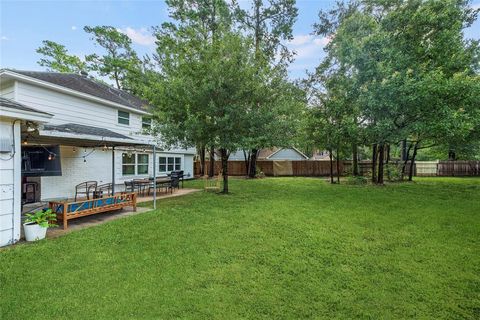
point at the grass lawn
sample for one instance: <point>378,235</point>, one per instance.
<point>279,248</point>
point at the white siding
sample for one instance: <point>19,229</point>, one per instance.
<point>188,165</point>
<point>287,154</point>
<point>10,186</point>
<point>70,109</point>
<point>7,90</point>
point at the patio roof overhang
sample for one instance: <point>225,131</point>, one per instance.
<point>71,134</point>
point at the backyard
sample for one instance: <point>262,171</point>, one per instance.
<point>276,248</point>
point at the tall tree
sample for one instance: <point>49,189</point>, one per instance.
<point>269,23</point>
<point>56,58</point>
<point>206,94</point>
<point>119,58</point>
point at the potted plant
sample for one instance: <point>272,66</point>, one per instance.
<point>37,223</point>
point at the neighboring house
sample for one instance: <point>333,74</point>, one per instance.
<point>272,154</point>
<point>96,130</point>
<point>321,155</point>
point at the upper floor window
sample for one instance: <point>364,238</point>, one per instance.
<point>146,122</point>
<point>123,117</point>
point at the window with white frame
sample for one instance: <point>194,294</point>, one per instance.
<point>128,164</point>
<point>142,163</point>
<point>134,164</point>
<point>123,117</point>
<point>146,123</point>
<point>168,164</point>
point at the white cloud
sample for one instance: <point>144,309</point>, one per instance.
<point>74,28</point>
<point>475,6</point>
<point>139,36</point>
<point>307,46</point>
<point>300,39</point>
<point>4,38</point>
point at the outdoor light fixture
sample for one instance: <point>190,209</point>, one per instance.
<point>25,141</point>
<point>74,149</point>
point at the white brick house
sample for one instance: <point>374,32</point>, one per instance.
<point>84,120</point>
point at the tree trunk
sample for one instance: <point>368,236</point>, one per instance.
<point>451,155</point>
<point>331,165</point>
<point>224,154</point>
<point>405,162</point>
<point>374,163</point>
<point>381,157</point>
<point>253,163</point>
<point>246,157</point>
<point>355,159</point>
<point>202,161</point>
<point>412,162</point>
<point>387,160</point>
<point>211,172</point>
<point>404,150</point>
<point>338,167</point>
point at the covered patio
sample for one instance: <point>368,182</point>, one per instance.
<point>62,144</point>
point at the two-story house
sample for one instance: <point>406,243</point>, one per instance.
<point>90,131</point>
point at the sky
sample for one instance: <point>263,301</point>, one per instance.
<point>24,24</point>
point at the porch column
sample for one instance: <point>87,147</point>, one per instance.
<point>154,177</point>
<point>113,170</point>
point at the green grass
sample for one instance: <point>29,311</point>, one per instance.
<point>280,248</point>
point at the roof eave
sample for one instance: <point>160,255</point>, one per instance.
<point>45,84</point>
<point>6,112</point>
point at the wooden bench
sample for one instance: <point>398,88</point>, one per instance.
<point>71,210</point>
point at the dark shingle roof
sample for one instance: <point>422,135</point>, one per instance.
<point>89,86</point>
<point>84,130</point>
<point>19,106</point>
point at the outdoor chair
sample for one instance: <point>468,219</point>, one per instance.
<point>174,184</point>
<point>213,184</point>
<point>153,185</point>
<point>85,188</point>
<point>129,186</point>
<point>104,190</point>
<point>180,174</point>
<point>140,185</point>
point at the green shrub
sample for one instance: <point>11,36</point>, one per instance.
<point>357,180</point>
<point>393,172</point>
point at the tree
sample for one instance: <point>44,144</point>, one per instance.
<point>196,24</point>
<point>268,23</point>
<point>56,58</point>
<point>119,59</point>
<point>207,94</point>
<point>405,58</point>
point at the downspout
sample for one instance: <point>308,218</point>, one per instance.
<point>14,158</point>
<point>113,170</point>
<point>154,178</point>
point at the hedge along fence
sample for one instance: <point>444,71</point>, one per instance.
<point>321,168</point>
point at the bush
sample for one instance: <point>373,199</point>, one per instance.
<point>393,172</point>
<point>259,173</point>
<point>357,180</point>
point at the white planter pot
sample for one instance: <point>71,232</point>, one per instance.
<point>34,232</point>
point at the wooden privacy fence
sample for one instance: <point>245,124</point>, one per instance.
<point>319,168</point>
<point>316,168</point>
